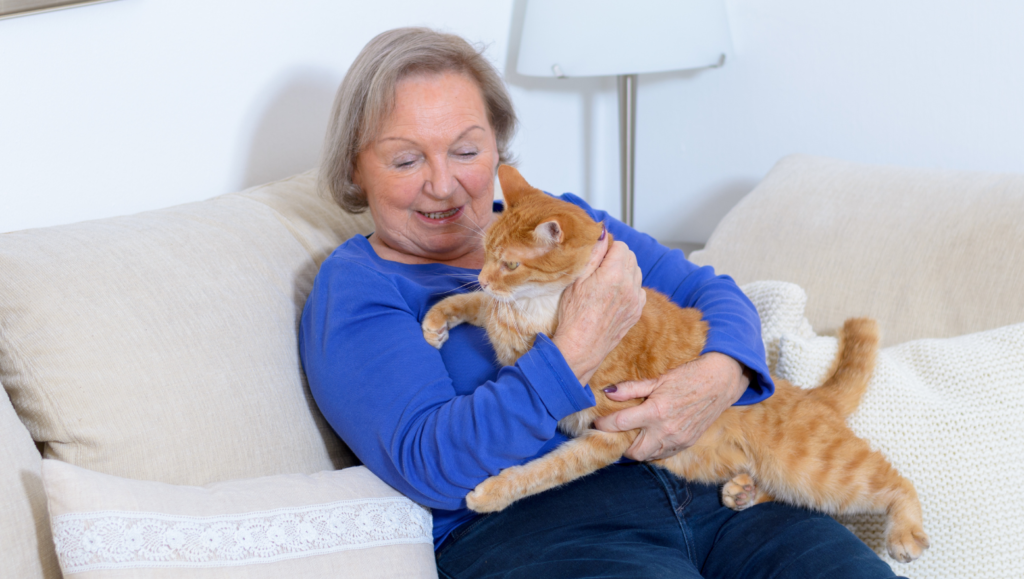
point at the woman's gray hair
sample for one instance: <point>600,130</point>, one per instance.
<point>366,98</point>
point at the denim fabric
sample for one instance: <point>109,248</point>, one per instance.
<point>637,520</point>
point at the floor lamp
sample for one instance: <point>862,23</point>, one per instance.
<point>574,38</point>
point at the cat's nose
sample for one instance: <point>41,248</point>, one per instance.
<point>483,284</point>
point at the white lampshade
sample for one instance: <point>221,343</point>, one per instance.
<point>616,37</point>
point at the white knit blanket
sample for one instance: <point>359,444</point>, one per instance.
<point>948,413</point>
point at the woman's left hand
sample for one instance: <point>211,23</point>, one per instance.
<point>680,405</point>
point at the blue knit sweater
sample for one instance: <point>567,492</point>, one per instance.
<point>435,423</point>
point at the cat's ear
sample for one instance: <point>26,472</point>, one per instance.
<point>513,186</point>
<point>549,232</point>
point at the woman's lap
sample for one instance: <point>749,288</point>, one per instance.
<point>636,520</point>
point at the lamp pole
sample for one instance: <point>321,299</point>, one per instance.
<point>627,142</point>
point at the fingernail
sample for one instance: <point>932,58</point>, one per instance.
<point>604,231</point>
<point>609,389</point>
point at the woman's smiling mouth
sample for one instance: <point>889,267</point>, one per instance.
<point>441,215</point>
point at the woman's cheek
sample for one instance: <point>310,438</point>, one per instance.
<point>478,180</point>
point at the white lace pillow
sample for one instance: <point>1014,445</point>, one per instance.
<point>330,524</point>
<point>947,413</point>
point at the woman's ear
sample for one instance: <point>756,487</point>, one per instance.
<point>549,232</point>
<point>355,175</point>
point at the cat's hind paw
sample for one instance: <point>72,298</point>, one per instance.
<point>435,329</point>
<point>740,493</point>
<point>907,544</point>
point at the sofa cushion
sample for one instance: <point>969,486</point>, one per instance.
<point>946,412</point>
<point>162,346</point>
<point>329,524</point>
<point>928,253</point>
<point>24,524</point>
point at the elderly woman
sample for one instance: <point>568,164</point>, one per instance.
<point>418,129</point>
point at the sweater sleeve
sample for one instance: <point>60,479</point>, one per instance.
<point>734,328</point>
<point>388,393</point>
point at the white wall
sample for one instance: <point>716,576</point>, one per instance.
<point>138,104</point>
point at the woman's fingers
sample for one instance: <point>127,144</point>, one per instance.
<point>679,406</point>
<point>629,390</point>
<point>596,255</point>
<point>628,419</point>
<point>653,441</point>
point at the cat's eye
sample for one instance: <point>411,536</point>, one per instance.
<point>510,265</point>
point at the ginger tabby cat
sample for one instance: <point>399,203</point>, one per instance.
<point>794,447</point>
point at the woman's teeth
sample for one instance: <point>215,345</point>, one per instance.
<point>441,214</point>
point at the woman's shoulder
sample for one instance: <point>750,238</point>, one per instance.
<point>353,261</point>
<point>575,200</point>
<point>355,274</point>
<point>356,249</point>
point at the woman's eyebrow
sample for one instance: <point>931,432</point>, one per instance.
<point>461,135</point>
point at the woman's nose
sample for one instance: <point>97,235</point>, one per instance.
<point>441,181</point>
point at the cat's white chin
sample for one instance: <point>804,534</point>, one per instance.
<point>540,306</point>
<point>506,297</point>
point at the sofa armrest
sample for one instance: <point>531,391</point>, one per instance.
<point>24,521</point>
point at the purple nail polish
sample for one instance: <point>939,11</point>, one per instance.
<point>610,389</point>
<point>604,231</point>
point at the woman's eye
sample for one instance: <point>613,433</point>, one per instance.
<point>510,265</point>
<point>404,161</point>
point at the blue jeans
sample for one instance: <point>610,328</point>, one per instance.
<point>637,520</point>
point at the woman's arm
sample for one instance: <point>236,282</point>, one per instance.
<point>388,393</point>
<point>685,401</point>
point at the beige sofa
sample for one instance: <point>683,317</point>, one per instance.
<point>148,353</point>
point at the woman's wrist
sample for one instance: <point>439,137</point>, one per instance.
<point>740,376</point>
<point>578,356</point>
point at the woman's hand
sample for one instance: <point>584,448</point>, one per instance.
<point>680,405</point>
<point>599,308</point>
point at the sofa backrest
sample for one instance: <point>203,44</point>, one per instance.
<point>162,346</point>
<point>929,253</point>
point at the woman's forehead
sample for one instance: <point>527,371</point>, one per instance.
<point>449,102</point>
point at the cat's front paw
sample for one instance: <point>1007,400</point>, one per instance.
<point>906,544</point>
<point>740,492</point>
<point>491,496</point>
<point>435,329</point>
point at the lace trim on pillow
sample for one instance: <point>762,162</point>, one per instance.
<point>117,539</point>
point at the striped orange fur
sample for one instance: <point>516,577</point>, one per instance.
<point>794,447</point>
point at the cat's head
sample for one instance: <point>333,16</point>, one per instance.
<point>538,245</point>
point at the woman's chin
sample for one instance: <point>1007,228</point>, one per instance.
<point>449,247</point>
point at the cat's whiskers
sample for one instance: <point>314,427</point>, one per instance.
<point>478,232</point>
<point>457,288</point>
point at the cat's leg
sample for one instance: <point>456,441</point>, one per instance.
<point>452,311</point>
<point>742,492</point>
<point>857,479</point>
<point>578,457</point>
<point>905,537</point>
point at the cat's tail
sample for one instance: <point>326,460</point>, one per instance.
<point>854,365</point>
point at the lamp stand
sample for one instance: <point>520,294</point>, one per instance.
<point>627,142</point>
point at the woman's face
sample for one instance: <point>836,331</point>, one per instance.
<point>429,175</point>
